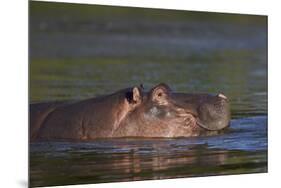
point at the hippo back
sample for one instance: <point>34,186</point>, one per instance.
<point>38,112</point>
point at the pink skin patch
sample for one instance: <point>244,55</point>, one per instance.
<point>222,96</point>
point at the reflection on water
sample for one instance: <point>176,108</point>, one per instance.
<point>242,150</point>
<point>78,52</point>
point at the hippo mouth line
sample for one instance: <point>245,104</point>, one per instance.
<point>204,126</point>
<point>199,123</point>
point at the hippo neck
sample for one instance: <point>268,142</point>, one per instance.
<point>102,116</point>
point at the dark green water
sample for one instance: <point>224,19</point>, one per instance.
<point>78,52</point>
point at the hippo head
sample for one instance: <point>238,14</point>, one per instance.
<point>162,113</point>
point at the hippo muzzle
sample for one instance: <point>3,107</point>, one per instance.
<point>211,112</point>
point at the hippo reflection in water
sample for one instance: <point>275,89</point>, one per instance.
<point>131,112</point>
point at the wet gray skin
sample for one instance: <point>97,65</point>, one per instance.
<point>131,113</point>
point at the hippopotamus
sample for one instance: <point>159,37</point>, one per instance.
<point>131,112</point>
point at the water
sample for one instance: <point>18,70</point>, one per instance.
<point>242,150</point>
<point>78,53</point>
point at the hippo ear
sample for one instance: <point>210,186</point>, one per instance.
<point>160,94</point>
<point>134,96</point>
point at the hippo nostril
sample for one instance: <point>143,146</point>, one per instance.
<point>222,96</point>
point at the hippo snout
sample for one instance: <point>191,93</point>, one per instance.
<point>214,113</point>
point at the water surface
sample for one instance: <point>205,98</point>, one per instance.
<point>242,150</point>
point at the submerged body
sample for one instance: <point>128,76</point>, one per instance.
<point>131,113</point>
